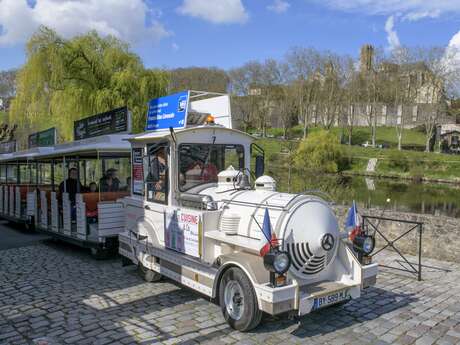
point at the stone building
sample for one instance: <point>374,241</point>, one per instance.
<point>422,95</point>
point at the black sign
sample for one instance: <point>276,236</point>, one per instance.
<point>43,138</point>
<point>8,146</point>
<point>113,121</point>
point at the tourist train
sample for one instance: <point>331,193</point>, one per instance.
<point>198,209</point>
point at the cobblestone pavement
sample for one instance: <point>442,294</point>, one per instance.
<point>60,293</point>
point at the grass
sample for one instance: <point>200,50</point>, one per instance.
<point>391,162</point>
<point>411,138</point>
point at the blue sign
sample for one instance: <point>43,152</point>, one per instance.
<point>168,111</point>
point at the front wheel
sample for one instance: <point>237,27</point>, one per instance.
<point>149,275</point>
<point>238,301</point>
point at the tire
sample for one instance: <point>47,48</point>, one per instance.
<point>238,300</point>
<point>125,261</point>
<point>148,275</point>
<point>99,254</point>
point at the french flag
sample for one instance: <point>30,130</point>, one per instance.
<point>270,237</point>
<point>353,223</point>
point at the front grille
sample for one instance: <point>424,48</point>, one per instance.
<point>303,260</point>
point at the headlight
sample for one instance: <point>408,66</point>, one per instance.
<point>364,244</point>
<point>277,261</point>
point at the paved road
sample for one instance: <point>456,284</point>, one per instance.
<point>60,293</point>
<point>17,236</point>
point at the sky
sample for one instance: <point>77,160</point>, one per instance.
<point>228,33</point>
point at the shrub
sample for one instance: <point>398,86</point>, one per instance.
<point>320,152</point>
<point>399,160</point>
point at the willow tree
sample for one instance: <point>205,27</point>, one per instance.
<point>64,80</point>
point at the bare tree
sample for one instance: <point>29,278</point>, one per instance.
<point>199,78</point>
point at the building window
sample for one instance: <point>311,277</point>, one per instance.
<point>414,113</point>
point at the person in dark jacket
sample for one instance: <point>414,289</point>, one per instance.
<point>72,185</point>
<point>110,182</point>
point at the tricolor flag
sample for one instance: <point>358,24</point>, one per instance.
<point>270,237</point>
<point>353,223</point>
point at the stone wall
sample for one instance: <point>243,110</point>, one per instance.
<point>440,236</point>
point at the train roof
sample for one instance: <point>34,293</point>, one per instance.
<point>202,129</point>
<point>112,143</point>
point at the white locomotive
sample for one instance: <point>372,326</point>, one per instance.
<point>195,217</point>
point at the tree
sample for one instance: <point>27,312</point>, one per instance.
<point>303,64</point>
<point>64,80</point>
<point>7,84</point>
<point>443,83</point>
<point>320,152</point>
<point>199,78</point>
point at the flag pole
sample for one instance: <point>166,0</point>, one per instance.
<point>268,239</point>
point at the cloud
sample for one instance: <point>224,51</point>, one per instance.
<point>408,9</point>
<point>451,56</point>
<point>392,35</point>
<point>215,11</point>
<point>132,21</point>
<point>279,6</point>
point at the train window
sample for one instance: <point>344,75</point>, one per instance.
<point>44,174</point>
<point>117,175</point>
<point>59,172</point>
<point>156,173</point>
<point>24,174</point>
<point>200,163</point>
<point>12,173</point>
<point>3,173</point>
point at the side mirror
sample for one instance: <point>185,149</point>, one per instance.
<point>260,166</point>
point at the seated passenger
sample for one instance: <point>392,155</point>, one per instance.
<point>71,184</point>
<point>110,182</point>
<point>92,187</point>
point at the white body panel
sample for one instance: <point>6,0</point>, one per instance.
<point>43,210</point>
<point>54,212</point>
<point>11,194</point>
<point>66,214</point>
<point>17,206</point>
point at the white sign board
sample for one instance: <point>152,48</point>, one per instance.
<point>218,107</point>
<point>183,232</point>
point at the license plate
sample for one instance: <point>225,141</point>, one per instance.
<point>333,298</point>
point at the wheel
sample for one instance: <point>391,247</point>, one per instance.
<point>149,275</point>
<point>238,300</point>
<point>99,254</point>
<point>125,261</point>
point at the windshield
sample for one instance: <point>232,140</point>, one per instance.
<point>200,163</point>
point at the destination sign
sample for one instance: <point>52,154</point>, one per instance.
<point>110,122</point>
<point>43,138</point>
<point>168,111</point>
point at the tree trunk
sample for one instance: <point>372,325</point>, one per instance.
<point>427,147</point>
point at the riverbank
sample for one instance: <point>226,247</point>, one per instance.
<point>392,163</point>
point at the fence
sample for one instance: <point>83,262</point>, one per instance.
<point>369,225</point>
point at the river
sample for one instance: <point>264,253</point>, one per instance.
<point>404,195</point>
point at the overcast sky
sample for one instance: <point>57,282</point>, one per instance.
<point>227,33</point>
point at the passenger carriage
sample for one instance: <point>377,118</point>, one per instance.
<point>199,215</point>
<point>36,182</point>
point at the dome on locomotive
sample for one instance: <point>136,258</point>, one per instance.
<point>310,235</point>
<point>306,224</point>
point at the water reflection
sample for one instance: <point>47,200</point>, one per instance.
<point>406,196</point>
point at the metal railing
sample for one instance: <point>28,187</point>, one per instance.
<point>414,226</point>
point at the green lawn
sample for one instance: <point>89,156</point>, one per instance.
<point>391,162</point>
<point>412,138</point>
